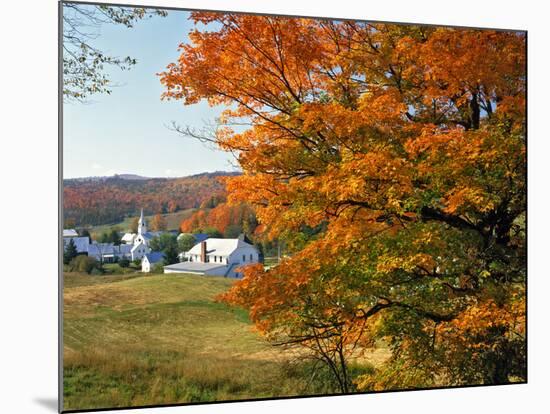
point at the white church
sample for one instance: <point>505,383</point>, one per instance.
<point>210,256</point>
<point>134,246</point>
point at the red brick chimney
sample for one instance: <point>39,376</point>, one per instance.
<point>203,251</point>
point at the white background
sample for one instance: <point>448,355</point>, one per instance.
<point>28,205</point>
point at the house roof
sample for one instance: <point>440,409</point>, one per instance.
<point>154,257</point>
<point>193,267</point>
<point>222,247</point>
<point>128,236</point>
<point>109,249</point>
<point>81,243</point>
<point>200,237</point>
<point>148,235</point>
<point>70,233</point>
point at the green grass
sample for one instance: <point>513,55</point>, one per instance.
<point>173,221</point>
<point>164,339</point>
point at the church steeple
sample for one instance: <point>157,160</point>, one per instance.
<point>142,225</point>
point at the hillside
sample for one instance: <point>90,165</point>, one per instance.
<point>135,340</point>
<point>172,221</point>
<point>95,201</point>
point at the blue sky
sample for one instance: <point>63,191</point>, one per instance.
<point>126,132</point>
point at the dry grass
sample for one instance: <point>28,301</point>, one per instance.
<point>140,340</point>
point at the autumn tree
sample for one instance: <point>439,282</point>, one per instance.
<point>237,218</point>
<point>158,223</point>
<point>134,224</point>
<point>404,148</point>
<point>69,223</point>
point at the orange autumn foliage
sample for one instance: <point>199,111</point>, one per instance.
<point>221,218</point>
<point>403,147</point>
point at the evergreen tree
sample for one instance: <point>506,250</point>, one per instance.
<point>104,238</point>
<point>114,237</point>
<point>70,252</point>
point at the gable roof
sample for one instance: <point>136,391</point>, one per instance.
<point>109,249</point>
<point>193,267</point>
<point>81,243</point>
<point>200,237</point>
<point>222,247</point>
<point>70,233</point>
<point>128,237</point>
<point>136,246</point>
<point>154,257</point>
<point>148,235</point>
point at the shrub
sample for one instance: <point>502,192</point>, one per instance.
<point>96,271</point>
<point>84,264</point>
<point>158,268</point>
<point>124,262</point>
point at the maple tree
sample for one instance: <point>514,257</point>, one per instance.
<point>405,145</point>
<point>225,218</point>
<point>158,223</point>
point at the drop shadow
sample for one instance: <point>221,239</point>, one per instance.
<point>49,403</point>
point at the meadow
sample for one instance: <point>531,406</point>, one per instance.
<point>132,340</point>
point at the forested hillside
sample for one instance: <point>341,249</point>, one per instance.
<point>101,200</point>
<point>228,220</point>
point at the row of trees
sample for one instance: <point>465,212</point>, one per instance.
<point>405,147</point>
<point>228,220</point>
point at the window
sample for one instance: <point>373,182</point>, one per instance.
<point>244,258</point>
<point>250,256</point>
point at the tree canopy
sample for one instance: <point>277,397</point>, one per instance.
<point>405,146</point>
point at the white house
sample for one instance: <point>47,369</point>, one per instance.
<point>128,238</point>
<point>109,252</point>
<point>216,257</point>
<point>70,233</point>
<point>150,259</point>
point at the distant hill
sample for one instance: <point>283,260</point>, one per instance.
<point>91,201</point>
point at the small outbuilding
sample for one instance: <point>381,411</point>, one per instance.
<point>151,259</point>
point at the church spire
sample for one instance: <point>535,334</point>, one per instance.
<point>142,226</point>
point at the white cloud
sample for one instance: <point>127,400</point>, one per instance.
<point>97,166</point>
<point>172,173</point>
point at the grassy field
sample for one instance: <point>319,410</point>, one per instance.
<point>173,221</point>
<point>162,339</point>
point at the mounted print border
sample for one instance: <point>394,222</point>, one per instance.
<point>258,207</point>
